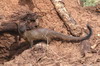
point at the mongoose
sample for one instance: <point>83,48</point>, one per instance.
<point>47,34</point>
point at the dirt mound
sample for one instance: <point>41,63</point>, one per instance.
<point>57,53</point>
<point>94,9</point>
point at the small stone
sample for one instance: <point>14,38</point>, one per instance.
<point>98,60</point>
<point>98,34</point>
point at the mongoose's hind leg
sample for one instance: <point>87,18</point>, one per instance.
<point>48,41</point>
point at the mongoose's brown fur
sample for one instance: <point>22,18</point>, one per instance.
<point>47,34</point>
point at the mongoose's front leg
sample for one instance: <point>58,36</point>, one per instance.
<point>31,43</point>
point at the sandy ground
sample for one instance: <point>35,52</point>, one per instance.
<point>57,53</point>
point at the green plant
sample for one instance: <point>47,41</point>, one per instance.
<point>90,2</point>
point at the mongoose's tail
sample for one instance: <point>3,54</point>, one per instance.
<point>88,35</point>
<point>72,38</point>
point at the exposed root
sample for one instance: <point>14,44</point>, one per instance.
<point>68,20</point>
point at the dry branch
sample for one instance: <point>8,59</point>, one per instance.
<point>73,28</point>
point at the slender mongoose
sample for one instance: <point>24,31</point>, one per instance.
<point>47,34</point>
